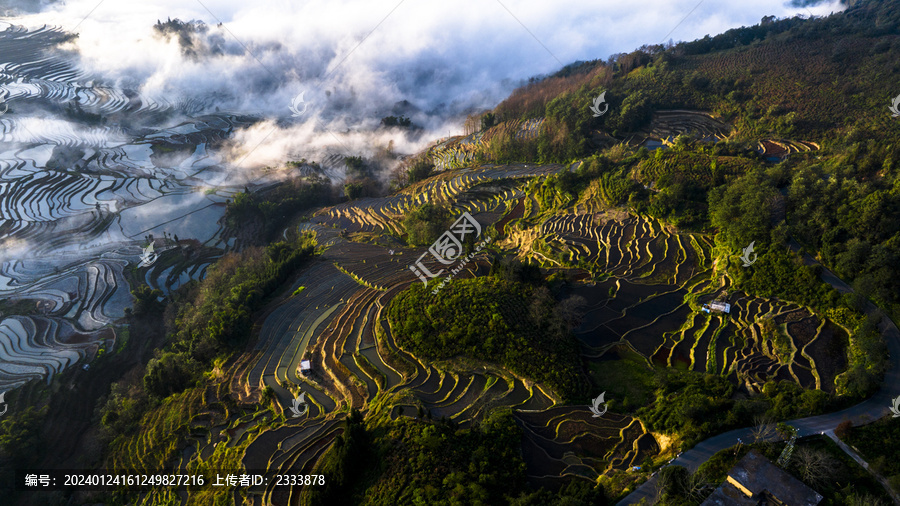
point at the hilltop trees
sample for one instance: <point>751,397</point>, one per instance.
<point>267,210</point>
<point>492,319</point>
<point>423,462</point>
<point>743,210</point>
<point>396,121</point>
<point>187,33</point>
<point>20,435</point>
<point>867,361</point>
<point>214,315</point>
<point>426,223</point>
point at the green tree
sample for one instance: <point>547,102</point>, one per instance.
<point>20,435</point>
<point>420,169</point>
<point>488,120</point>
<point>169,373</point>
<point>396,121</point>
<point>426,223</point>
<point>743,210</point>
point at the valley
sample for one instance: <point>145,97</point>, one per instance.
<point>556,306</point>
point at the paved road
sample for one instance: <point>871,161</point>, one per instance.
<point>863,413</point>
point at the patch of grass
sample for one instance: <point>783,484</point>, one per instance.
<point>877,443</point>
<point>626,378</point>
<point>780,338</point>
<point>123,334</point>
<point>223,458</point>
<point>298,291</point>
<point>163,431</point>
<point>847,476</point>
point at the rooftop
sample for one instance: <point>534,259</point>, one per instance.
<point>755,481</point>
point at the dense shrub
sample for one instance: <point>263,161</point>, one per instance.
<point>170,373</point>
<point>215,314</point>
<point>20,440</point>
<point>345,463</point>
<point>697,405</point>
<point>867,361</point>
<point>782,274</point>
<point>437,463</point>
<point>491,319</point>
<point>426,223</point>
<point>268,209</point>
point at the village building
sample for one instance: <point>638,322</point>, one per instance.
<point>717,306</point>
<point>755,481</point>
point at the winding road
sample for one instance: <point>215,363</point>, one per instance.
<point>861,414</point>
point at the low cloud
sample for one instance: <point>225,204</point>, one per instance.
<point>355,61</point>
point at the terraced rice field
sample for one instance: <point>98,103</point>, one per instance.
<point>72,311</point>
<point>667,125</point>
<point>483,189</point>
<point>569,441</point>
<point>650,282</point>
<point>80,198</point>
<point>459,152</point>
<point>655,281</point>
<point>778,149</point>
<point>79,201</point>
<point>335,322</point>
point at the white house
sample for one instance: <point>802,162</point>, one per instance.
<point>717,306</point>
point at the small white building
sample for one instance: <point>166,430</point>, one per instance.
<point>722,307</point>
<point>717,306</point>
<point>305,366</point>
